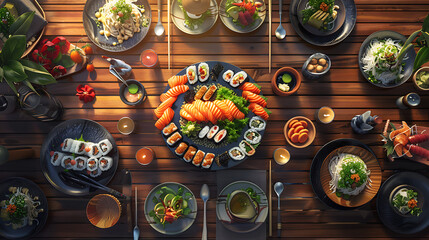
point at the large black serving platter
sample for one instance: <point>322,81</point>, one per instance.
<point>179,102</point>
<point>75,128</point>
<point>28,231</point>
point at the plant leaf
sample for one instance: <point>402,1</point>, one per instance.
<point>66,62</point>
<point>14,71</point>
<point>425,26</point>
<point>12,86</point>
<point>421,58</point>
<point>13,48</point>
<point>28,83</point>
<point>1,74</point>
<point>36,73</point>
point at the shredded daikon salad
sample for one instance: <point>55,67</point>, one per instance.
<point>120,19</point>
<point>380,61</point>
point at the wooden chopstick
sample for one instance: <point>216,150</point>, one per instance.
<point>270,204</point>
<point>269,41</point>
<point>168,30</point>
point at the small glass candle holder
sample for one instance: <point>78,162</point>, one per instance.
<point>408,101</point>
<point>149,58</point>
<point>145,155</point>
<point>126,125</point>
<point>281,156</point>
<point>325,115</point>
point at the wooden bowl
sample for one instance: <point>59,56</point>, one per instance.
<point>369,192</point>
<point>103,210</point>
<point>296,77</point>
<point>311,132</point>
<point>426,69</point>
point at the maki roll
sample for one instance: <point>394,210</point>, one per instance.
<point>174,138</point>
<point>220,136</point>
<point>252,136</point>
<point>189,154</point>
<point>200,93</point>
<point>80,163</point>
<point>238,78</point>
<point>222,159</point>
<point>203,71</point>
<point>203,132</point>
<point>95,173</point>
<point>199,156</point>
<point>105,163</point>
<point>216,70</point>
<point>227,75</point>
<point>208,160</point>
<point>180,150</point>
<point>92,164</point>
<point>247,148</point>
<point>210,92</point>
<point>93,150</point>
<point>257,123</point>
<point>56,158</point>
<point>105,146</point>
<point>78,147</point>
<point>68,162</point>
<point>191,73</point>
<point>213,131</point>
<point>236,153</point>
<point>169,129</point>
<point>67,144</point>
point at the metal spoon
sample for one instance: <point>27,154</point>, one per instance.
<point>116,74</point>
<point>136,231</point>
<point>280,31</point>
<point>278,188</point>
<point>159,29</point>
<point>205,195</point>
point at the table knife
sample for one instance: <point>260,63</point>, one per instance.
<point>127,191</point>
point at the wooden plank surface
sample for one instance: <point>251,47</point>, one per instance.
<point>344,89</point>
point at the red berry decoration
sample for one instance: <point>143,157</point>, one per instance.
<point>50,50</point>
<point>62,43</point>
<point>85,93</point>
<point>58,71</point>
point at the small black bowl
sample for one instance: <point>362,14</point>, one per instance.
<point>124,87</point>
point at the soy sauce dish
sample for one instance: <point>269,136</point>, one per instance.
<point>286,81</point>
<point>133,94</point>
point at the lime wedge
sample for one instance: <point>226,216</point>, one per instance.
<point>286,78</point>
<point>133,88</point>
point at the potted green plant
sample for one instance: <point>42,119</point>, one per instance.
<point>14,70</point>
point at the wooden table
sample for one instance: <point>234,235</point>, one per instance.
<point>344,89</point>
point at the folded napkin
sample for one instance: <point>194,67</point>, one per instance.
<point>23,6</point>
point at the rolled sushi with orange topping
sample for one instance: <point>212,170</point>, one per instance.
<point>203,71</point>
<point>180,150</point>
<point>81,162</point>
<point>227,75</point>
<point>173,139</point>
<point>208,160</point>
<point>238,78</point>
<point>105,163</point>
<point>190,154</point>
<point>56,158</point>
<point>68,162</point>
<point>169,129</point>
<point>198,159</point>
<point>191,73</point>
<point>92,164</point>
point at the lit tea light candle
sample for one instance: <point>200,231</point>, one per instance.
<point>126,125</point>
<point>145,155</point>
<point>325,115</point>
<point>149,58</point>
<point>281,156</point>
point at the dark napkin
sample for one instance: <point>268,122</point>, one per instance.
<point>23,6</point>
<point>225,177</point>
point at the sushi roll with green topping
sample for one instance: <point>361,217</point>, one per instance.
<point>257,123</point>
<point>203,71</point>
<point>189,154</point>
<point>208,160</point>
<point>68,162</point>
<point>191,73</point>
<point>227,75</point>
<point>92,164</point>
<point>247,148</point>
<point>252,136</point>
<point>203,132</point>
<point>105,146</point>
<point>236,153</point>
<point>56,158</point>
<point>198,159</point>
<point>105,163</point>
<point>67,144</point>
<point>80,163</point>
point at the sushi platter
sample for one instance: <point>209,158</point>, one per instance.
<point>79,145</point>
<point>202,125</point>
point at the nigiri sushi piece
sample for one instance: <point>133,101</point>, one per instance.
<point>200,93</point>
<point>220,136</point>
<point>259,110</point>
<point>164,105</point>
<point>56,158</point>
<point>247,148</point>
<point>105,163</point>
<point>203,71</point>
<point>165,119</point>
<point>105,146</point>
<point>68,162</point>
<point>236,153</point>
<point>198,159</point>
<point>184,114</point>
<point>67,144</point>
<point>254,98</point>
<point>208,160</point>
<point>180,150</point>
<point>238,78</point>
<point>92,164</point>
<point>81,162</point>
<point>251,87</point>
<point>189,154</point>
<point>177,80</point>
<point>213,131</point>
<point>227,75</point>
<point>174,138</point>
<point>191,74</point>
<point>176,91</point>
<point>212,89</point>
<point>169,129</point>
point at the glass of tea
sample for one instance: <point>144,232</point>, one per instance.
<point>126,125</point>
<point>145,155</point>
<point>281,156</point>
<point>325,115</point>
<point>149,58</point>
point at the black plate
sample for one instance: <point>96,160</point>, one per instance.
<point>74,128</point>
<point>409,63</point>
<point>317,164</point>
<point>180,99</point>
<point>93,32</point>
<point>388,216</point>
<point>331,39</point>
<point>34,190</point>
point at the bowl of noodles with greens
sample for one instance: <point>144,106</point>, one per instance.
<point>350,176</point>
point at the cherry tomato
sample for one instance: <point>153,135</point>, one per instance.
<point>90,67</point>
<point>75,56</point>
<point>88,49</point>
